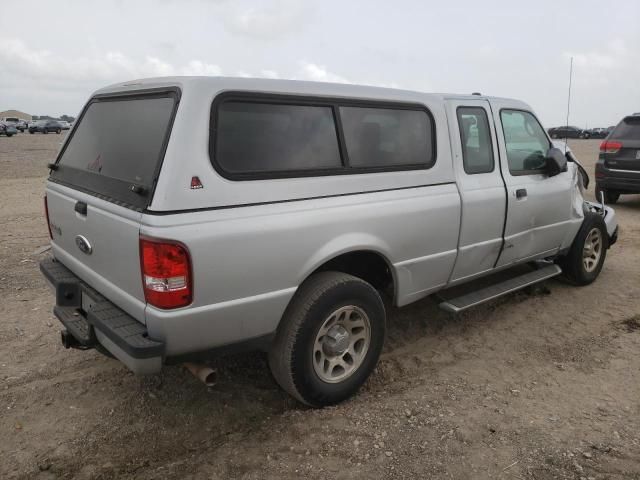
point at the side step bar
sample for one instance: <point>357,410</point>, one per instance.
<point>458,304</point>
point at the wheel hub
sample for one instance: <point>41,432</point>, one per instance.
<point>336,341</point>
<point>592,250</point>
<point>341,344</point>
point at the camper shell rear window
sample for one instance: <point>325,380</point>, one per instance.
<point>117,146</point>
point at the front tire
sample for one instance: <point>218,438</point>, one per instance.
<point>329,340</point>
<point>58,131</point>
<point>585,259</point>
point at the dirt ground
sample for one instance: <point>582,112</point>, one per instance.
<point>538,385</point>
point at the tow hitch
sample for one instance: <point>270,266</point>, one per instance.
<point>69,341</point>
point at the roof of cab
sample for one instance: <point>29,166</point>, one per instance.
<point>209,84</point>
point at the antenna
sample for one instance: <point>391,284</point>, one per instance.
<point>568,101</point>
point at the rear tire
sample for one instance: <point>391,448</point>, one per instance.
<point>585,259</point>
<point>58,131</point>
<point>329,340</point>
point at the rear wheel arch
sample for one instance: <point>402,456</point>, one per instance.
<point>366,264</point>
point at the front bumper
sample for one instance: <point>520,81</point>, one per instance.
<point>609,216</point>
<point>90,319</point>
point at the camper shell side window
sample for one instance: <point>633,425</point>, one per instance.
<point>260,136</point>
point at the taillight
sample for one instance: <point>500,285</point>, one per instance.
<point>46,216</point>
<point>166,273</point>
<point>610,147</point>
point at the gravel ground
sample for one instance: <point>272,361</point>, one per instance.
<point>537,385</point>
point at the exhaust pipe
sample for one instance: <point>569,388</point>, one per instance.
<point>206,375</point>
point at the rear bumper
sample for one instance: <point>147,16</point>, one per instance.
<point>621,180</point>
<point>90,319</point>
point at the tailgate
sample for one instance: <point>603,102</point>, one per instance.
<point>627,158</point>
<point>626,136</point>
<point>101,247</point>
<point>103,178</point>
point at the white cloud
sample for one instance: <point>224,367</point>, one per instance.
<point>269,74</point>
<point>319,73</point>
<point>22,64</point>
<point>271,19</point>
<point>615,55</point>
<point>196,67</point>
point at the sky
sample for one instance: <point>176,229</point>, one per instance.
<point>53,55</point>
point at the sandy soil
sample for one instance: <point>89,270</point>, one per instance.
<point>540,385</point>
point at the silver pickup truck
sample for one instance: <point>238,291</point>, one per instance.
<point>195,215</point>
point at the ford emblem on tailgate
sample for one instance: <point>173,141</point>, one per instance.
<point>83,244</point>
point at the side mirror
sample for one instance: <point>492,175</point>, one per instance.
<point>556,161</point>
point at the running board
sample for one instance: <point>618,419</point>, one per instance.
<point>458,304</point>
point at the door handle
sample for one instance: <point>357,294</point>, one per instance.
<point>81,208</point>
<point>521,193</point>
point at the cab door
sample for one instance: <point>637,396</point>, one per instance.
<point>539,207</point>
<point>482,190</point>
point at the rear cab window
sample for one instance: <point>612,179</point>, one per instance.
<point>277,136</point>
<point>475,137</point>
<point>117,147</point>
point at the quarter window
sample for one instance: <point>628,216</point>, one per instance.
<point>475,136</point>
<point>264,137</point>
<point>385,137</point>
<point>525,140</point>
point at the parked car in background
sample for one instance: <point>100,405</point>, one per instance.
<point>155,219</point>
<point>64,124</point>
<point>598,132</point>
<point>20,125</point>
<point>46,126</point>
<point>618,165</point>
<point>7,129</point>
<point>568,132</point>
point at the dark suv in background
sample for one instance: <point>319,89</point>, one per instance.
<point>568,132</point>
<point>618,165</point>
<point>46,126</point>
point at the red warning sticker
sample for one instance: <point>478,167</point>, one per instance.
<point>196,183</point>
